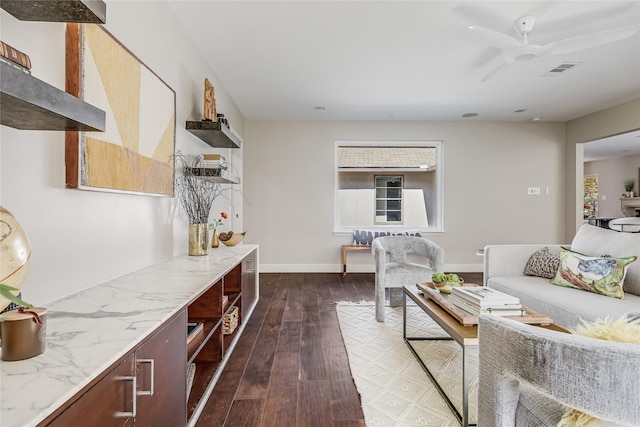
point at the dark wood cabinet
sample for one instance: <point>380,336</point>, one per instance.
<point>149,385</point>
<point>161,376</point>
<point>109,403</point>
<point>148,388</point>
<point>234,294</point>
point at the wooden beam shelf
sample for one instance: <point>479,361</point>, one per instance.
<point>214,133</point>
<point>31,104</point>
<point>89,11</point>
<point>216,174</point>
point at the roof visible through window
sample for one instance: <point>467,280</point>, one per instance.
<point>386,157</point>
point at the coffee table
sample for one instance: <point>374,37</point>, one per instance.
<point>465,336</point>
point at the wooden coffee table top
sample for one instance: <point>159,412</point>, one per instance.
<point>462,334</point>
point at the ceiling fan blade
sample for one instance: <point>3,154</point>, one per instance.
<point>587,41</point>
<point>496,39</point>
<point>496,71</point>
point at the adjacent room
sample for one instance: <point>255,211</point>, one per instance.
<point>319,213</point>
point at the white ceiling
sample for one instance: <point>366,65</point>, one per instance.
<point>627,144</point>
<point>410,60</point>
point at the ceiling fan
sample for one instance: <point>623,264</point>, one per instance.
<point>515,50</point>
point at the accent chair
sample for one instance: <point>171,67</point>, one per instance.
<point>528,373</point>
<point>393,270</point>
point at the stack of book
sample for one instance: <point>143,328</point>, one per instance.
<point>15,58</point>
<point>213,161</point>
<point>482,300</point>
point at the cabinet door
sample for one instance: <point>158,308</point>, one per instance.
<point>109,403</point>
<point>161,372</point>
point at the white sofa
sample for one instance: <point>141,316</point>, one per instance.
<point>504,266</point>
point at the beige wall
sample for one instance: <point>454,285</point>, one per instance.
<point>81,238</point>
<point>608,122</point>
<point>290,184</point>
<point>611,174</point>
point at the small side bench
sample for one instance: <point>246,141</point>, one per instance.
<point>348,248</point>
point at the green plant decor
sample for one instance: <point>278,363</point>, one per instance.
<point>629,184</point>
<point>7,292</point>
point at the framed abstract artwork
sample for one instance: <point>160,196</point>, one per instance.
<point>135,152</point>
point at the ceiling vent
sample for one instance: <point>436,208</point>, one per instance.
<point>556,71</point>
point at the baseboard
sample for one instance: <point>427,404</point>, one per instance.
<point>355,268</point>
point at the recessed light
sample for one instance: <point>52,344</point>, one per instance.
<point>319,108</point>
<point>520,111</point>
<point>535,119</point>
<point>470,115</point>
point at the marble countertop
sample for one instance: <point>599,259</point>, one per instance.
<point>90,330</point>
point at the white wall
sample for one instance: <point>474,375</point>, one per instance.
<point>611,175</point>
<point>488,166</point>
<point>81,238</point>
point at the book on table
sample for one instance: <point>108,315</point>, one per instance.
<point>482,297</point>
<point>499,310</point>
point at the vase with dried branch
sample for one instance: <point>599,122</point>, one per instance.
<point>196,195</point>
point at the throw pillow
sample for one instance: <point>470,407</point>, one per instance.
<point>363,237</point>
<point>594,274</point>
<point>542,264</point>
<point>625,330</point>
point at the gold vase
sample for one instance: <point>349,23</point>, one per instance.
<point>214,239</point>
<point>198,239</point>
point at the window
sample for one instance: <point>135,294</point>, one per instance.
<point>388,184</point>
<point>388,200</point>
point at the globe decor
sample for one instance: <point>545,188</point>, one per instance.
<point>23,331</point>
<point>15,254</point>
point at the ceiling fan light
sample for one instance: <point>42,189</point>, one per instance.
<point>524,57</point>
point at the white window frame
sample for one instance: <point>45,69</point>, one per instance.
<point>436,225</point>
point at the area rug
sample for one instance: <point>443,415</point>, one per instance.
<point>393,387</point>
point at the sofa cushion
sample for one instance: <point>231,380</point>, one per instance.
<point>566,306</point>
<point>542,264</point>
<point>592,240</point>
<point>594,274</point>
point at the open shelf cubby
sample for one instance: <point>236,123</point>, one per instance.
<point>208,346</point>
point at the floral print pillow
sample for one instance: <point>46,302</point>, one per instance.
<point>601,275</point>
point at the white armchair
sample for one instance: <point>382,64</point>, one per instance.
<point>528,373</point>
<point>629,224</point>
<point>393,270</point>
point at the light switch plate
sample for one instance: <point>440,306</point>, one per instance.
<point>533,191</point>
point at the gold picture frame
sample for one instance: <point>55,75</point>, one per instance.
<point>135,153</point>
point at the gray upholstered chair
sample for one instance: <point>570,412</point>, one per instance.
<point>393,270</point>
<point>527,373</point>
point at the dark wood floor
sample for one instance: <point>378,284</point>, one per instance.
<point>290,366</point>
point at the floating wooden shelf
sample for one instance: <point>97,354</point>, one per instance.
<point>29,103</point>
<point>216,174</point>
<point>214,133</point>
<point>90,11</point>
